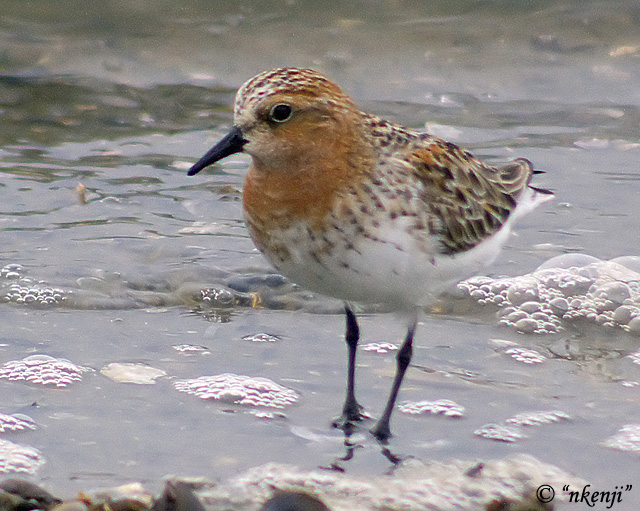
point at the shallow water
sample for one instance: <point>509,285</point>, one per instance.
<point>123,97</point>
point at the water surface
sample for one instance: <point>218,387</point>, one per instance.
<point>121,98</point>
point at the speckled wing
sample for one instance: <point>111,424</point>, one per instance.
<point>466,200</point>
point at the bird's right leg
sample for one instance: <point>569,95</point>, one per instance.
<point>351,411</point>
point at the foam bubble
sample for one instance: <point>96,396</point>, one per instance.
<point>239,389</point>
<point>566,288</point>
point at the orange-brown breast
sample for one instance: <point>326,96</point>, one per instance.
<point>308,186</point>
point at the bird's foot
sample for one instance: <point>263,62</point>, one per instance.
<point>351,415</point>
<point>382,432</point>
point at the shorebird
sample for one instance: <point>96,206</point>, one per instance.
<point>351,206</point>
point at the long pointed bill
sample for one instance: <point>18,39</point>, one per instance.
<point>231,144</point>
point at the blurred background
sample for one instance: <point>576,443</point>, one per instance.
<point>105,105</point>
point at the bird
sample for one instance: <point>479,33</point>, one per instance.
<point>349,205</point>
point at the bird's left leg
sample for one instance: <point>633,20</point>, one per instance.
<point>382,429</point>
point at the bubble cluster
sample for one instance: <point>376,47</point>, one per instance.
<point>261,337</point>
<point>512,429</point>
<point>566,288</point>
<point>217,297</point>
<point>635,357</point>
<point>190,348</point>
<point>217,304</point>
<point>525,355</point>
<point>32,294</point>
<point>266,415</point>
<point>19,458</point>
<point>11,271</point>
<point>239,389</point>
<point>626,439</point>
<point>44,370</point>
<point>440,407</point>
<point>224,298</point>
<point>537,418</point>
<point>16,288</point>
<point>17,422</point>
<point>500,433</point>
<point>379,347</point>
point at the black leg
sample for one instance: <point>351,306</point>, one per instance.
<point>351,411</point>
<point>382,430</point>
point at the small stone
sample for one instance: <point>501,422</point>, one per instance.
<point>139,374</point>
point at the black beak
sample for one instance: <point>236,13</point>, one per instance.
<point>231,144</point>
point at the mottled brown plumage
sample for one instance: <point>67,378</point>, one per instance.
<point>352,206</point>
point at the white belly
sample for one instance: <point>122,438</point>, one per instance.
<point>392,264</point>
<point>399,272</point>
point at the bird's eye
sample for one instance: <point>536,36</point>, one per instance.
<point>281,112</point>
